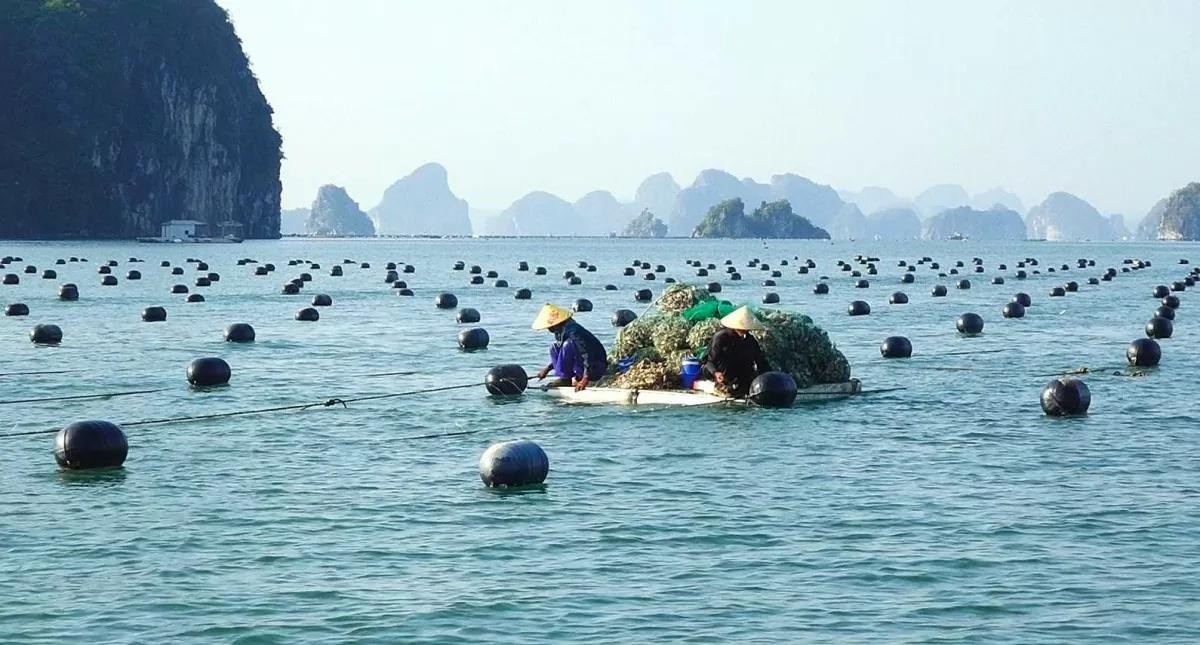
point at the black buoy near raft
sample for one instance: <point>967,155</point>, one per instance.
<point>473,338</point>
<point>239,333</point>
<point>506,380</point>
<point>90,444</point>
<point>622,317</point>
<point>511,464</point>
<point>46,334</point>
<point>208,372</point>
<point>773,390</point>
<point>895,347</point>
<point>1065,397</point>
<point>859,308</point>
<point>582,305</point>
<point>466,315</point>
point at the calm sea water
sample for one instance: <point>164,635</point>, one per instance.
<point>951,511</point>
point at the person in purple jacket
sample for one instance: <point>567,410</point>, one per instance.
<point>577,358</point>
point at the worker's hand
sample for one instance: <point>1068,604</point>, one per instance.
<point>543,373</point>
<point>581,384</point>
<point>720,377</point>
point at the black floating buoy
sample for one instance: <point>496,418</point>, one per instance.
<point>68,291</point>
<point>239,333</point>
<point>1161,291</point>
<point>154,314</point>
<point>1021,275</point>
<point>1160,327</point>
<point>491,275</point>
<point>1064,397</point>
<point>643,295</point>
<point>821,288</point>
<point>610,287</point>
<point>862,284</point>
<point>539,271</point>
<point>458,266</point>
<point>895,347</point>
<point>938,291</point>
<point>898,298</point>
<point>773,390</point>
<point>473,338</point>
<point>859,308</point>
<point>133,275</point>
<point>203,281</point>
<point>1071,286</point>
<point>770,298</point>
<point>303,277</point>
<point>476,279</point>
<point>907,278</point>
<point>1171,301</point>
<point>291,289</point>
<point>202,266</point>
<point>445,301</point>
<point>179,288</point>
<point>622,317</point>
<point>701,273</point>
<point>964,284</point>
<point>513,464</point>
<point>506,380</point>
<point>649,276</point>
<point>1013,310</point>
<point>969,323</point>
<point>1178,286</point>
<point>257,271</point>
<point>1143,352</point>
<point>207,372</point>
<point>195,297</point>
<point>714,287</point>
<point>90,444</point>
<point>523,294</point>
<point>629,271</point>
<point>735,276</point>
<point>466,315</point>
<point>109,281</point>
<point>769,283</point>
<point>575,280</point>
<point>1057,292</point>
<point>308,314</point>
<point>46,334</point>
<point>582,305</point>
<point>1023,299</point>
<point>29,268</point>
<point>997,280</point>
<point>104,270</point>
<point>500,284</point>
<point>322,300</point>
<point>1093,280</point>
<point>49,274</point>
<point>1165,312</point>
<point>17,309</point>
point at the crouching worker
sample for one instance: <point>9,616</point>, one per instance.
<point>576,357</point>
<point>734,357</point>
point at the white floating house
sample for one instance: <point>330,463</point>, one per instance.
<point>184,229</point>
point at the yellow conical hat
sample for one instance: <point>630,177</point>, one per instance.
<point>551,315</point>
<point>742,319</point>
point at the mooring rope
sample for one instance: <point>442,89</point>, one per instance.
<point>81,397</point>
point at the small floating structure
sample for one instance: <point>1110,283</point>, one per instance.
<point>189,231</point>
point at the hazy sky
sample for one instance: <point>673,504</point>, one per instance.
<point>1097,98</point>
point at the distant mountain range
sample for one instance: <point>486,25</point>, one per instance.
<point>422,203</point>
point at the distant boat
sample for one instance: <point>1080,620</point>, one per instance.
<point>957,236</point>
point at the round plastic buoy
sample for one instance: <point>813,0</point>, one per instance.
<point>109,281</point>
<point>629,271</point>
<point>862,284</point>
<point>610,287</point>
<point>898,298</point>
<point>701,273</point>
<point>133,275</point>
<point>1159,327</point>
<point>770,298</point>
<point>821,288</point>
<point>539,271</point>
<point>859,308</point>
<point>622,317</point>
<point>399,284</point>
<point>895,347</point>
<point>1171,301</point>
<point>1064,397</point>
<point>1057,292</point>
<point>203,281</point>
<point>90,444</point>
<point>154,314</point>
<point>582,305</point>
<point>1143,352</point>
<point>506,380</point>
<point>46,334</point>
<point>908,278</point>
<point>773,390</point>
<point>49,274</point>
<point>239,333</point>
<point>466,315</point>
<point>322,300</point>
<point>308,314</point>
<point>1013,310</point>
<point>445,301</point>
<point>500,284</point>
<point>513,463</point>
<point>17,309</point>
<point>768,283</point>
<point>207,372</point>
<point>964,284</point>
<point>938,291</point>
<point>491,275</point>
<point>1165,312</point>
<point>969,323</point>
<point>649,276</point>
<point>195,297</point>
<point>714,287</point>
<point>643,295</point>
<point>290,289</point>
<point>473,338</point>
<point>523,294</point>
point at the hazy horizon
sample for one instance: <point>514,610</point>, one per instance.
<point>1090,98</point>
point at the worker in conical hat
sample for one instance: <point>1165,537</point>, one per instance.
<point>576,357</point>
<point>734,357</point>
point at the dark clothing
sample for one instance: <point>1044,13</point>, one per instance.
<point>740,358</point>
<point>577,352</point>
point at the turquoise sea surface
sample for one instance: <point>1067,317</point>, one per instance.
<point>950,511</point>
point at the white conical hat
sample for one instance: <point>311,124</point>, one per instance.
<point>551,315</point>
<point>742,319</point>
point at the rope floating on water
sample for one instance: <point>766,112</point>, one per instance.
<point>81,397</point>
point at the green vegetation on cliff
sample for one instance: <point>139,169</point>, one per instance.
<point>1175,218</point>
<point>121,114</point>
<point>769,220</point>
<point>645,225</point>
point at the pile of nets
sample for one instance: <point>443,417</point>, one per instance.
<point>683,322</point>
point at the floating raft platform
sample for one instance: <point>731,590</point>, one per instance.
<point>703,394</point>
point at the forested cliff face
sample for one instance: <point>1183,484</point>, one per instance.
<point>118,115</point>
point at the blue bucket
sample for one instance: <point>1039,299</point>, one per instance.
<point>689,370</point>
<point>625,363</point>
